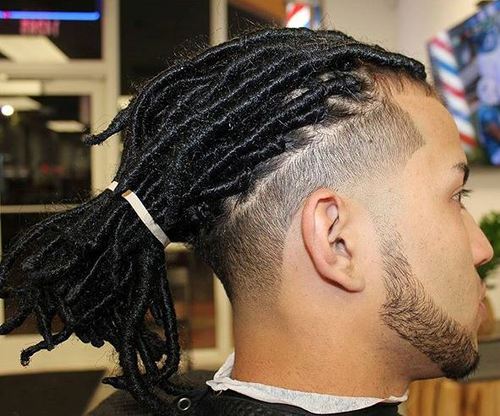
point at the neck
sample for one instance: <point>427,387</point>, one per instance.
<point>303,358</point>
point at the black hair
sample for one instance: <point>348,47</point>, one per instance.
<point>193,136</point>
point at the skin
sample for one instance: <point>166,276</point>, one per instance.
<point>380,290</point>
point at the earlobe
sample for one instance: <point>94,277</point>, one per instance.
<point>324,224</point>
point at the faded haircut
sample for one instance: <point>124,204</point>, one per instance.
<point>358,144</point>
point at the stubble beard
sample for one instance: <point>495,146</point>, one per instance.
<point>412,313</point>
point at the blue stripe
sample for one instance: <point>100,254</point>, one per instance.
<point>35,15</point>
<point>447,67</point>
<point>460,115</point>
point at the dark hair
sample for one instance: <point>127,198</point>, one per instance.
<point>202,140</point>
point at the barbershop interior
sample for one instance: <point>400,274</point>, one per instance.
<point>68,67</point>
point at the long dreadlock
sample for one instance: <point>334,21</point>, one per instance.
<point>193,136</point>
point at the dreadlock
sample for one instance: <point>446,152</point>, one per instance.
<point>194,136</point>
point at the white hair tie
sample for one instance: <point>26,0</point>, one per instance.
<point>143,214</point>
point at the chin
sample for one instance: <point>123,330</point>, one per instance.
<point>465,367</point>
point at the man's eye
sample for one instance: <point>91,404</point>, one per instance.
<point>464,193</point>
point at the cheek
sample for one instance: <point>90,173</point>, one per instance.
<point>438,249</point>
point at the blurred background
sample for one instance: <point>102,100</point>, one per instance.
<point>69,66</point>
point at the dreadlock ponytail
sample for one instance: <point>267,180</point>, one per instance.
<point>194,135</point>
<point>99,269</point>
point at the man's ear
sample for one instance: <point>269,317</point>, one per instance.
<point>324,226</point>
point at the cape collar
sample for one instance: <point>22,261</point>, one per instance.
<point>312,402</point>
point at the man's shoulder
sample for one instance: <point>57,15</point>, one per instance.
<point>121,402</point>
<point>203,401</point>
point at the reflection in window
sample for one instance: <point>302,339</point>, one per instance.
<point>152,37</point>
<point>42,158</point>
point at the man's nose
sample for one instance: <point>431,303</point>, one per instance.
<point>482,251</point>
<point>486,251</point>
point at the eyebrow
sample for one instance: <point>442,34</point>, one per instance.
<point>464,168</point>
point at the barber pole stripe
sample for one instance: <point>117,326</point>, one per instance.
<point>444,61</point>
<point>451,80</point>
<point>458,103</point>
<point>467,129</point>
<point>316,15</point>
<point>453,91</point>
<point>298,14</point>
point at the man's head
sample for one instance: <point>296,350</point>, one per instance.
<point>388,260</point>
<point>359,222</point>
<point>317,175</point>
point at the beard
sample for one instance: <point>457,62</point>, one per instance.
<point>412,313</point>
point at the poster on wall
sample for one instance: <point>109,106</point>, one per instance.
<point>465,64</point>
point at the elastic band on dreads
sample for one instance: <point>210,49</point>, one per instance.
<point>143,214</point>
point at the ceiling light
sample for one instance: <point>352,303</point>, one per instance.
<point>19,48</point>
<point>65,126</point>
<point>7,110</point>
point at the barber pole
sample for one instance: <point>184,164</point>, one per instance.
<point>452,87</point>
<point>303,14</point>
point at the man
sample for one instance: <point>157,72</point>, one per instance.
<point>322,180</point>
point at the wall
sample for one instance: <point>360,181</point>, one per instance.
<point>418,21</point>
<point>401,25</point>
<point>371,21</point>
<point>405,26</point>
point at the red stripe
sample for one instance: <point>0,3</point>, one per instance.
<point>441,44</point>
<point>468,140</point>
<point>454,91</point>
<point>295,9</point>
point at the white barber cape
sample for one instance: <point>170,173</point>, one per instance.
<point>312,402</point>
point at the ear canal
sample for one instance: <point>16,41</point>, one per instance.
<point>340,246</point>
